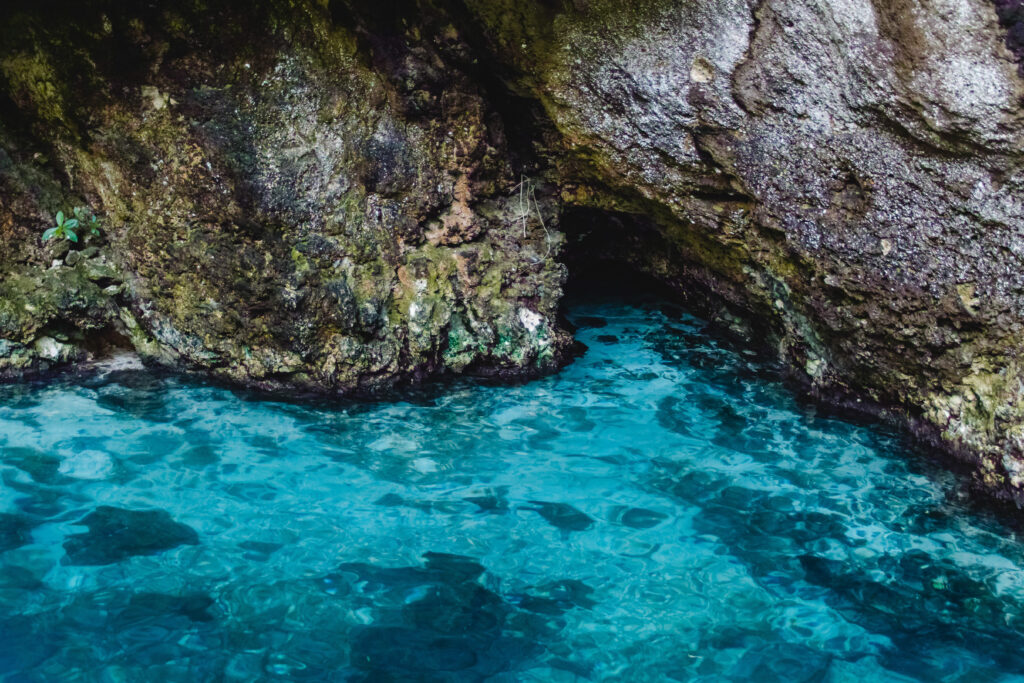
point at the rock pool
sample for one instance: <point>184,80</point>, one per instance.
<point>662,509</point>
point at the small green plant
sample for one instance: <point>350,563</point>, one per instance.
<point>89,219</point>
<point>67,227</point>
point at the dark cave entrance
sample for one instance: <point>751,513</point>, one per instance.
<point>601,255</point>
<point>615,255</point>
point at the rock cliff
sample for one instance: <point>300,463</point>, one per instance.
<point>281,214</point>
<point>336,197</point>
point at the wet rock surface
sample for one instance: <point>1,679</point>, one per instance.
<point>851,184</point>
<point>336,199</point>
<point>280,215</point>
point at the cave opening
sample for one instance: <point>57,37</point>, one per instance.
<point>625,256</point>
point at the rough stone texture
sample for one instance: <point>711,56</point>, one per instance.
<point>848,171</point>
<point>285,216</point>
<point>336,198</point>
<point>56,305</point>
<point>1011,16</point>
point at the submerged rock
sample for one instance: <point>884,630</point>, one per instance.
<point>116,534</point>
<point>637,518</point>
<point>15,531</point>
<point>330,197</point>
<point>436,621</point>
<point>562,516</point>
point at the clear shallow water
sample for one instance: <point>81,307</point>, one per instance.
<point>660,510</point>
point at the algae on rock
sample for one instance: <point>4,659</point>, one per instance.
<point>285,217</point>
<point>322,196</point>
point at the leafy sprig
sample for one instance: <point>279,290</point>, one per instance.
<point>67,227</point>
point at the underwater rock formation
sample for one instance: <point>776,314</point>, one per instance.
<point>117,533</point>
<point>336,198</point>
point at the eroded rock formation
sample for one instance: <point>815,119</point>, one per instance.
<point>282,214</point>
<point>341,197</point>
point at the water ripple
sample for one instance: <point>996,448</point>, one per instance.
<point>660,510</point>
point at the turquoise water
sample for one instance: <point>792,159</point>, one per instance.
<point>660,510</point>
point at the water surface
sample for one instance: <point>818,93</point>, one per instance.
<point>660,510</point>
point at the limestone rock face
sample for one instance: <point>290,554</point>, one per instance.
<point>283,215</point>
<point>849,171</point>
<point>338,196</point>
